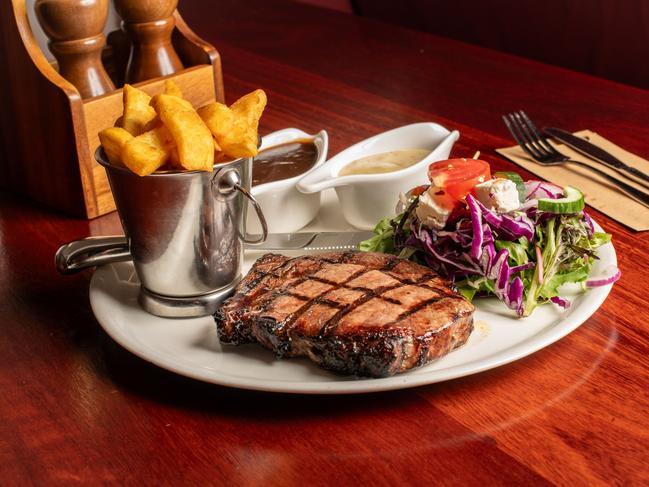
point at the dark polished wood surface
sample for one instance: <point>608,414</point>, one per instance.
<point>75,408</point>
<point>592,36</point>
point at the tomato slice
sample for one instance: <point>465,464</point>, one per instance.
<point>455,178</point>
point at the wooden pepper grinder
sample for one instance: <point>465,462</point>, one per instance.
<point>75,29</point>
<point>149,24</point>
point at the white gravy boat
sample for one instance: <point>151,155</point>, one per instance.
<point>285,208</point>
<point>367,198</point>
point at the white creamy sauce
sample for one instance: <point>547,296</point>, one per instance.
<point>384,162</point>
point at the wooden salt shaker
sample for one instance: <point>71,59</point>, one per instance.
<point>75,29</point>
<point>149,24</point>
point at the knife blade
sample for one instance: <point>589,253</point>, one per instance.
<point>92,251</point>
<point>312,241</point>
<point>596,153</point>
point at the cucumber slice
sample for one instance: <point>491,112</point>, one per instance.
<point>572,202</point>
<point>516,179</point>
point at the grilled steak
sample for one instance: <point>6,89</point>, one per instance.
<point>361,313</point>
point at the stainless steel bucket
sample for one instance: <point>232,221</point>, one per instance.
<point>185,232</point>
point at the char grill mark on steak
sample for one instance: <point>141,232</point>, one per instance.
<point>377,293</point>
<point>362,313</point>
<point>278,329</point>
<point>342,310</point>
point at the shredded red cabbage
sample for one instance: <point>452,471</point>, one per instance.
<point>469,250</point>
<point>562,302</point>
<point>466,248</point>
<point>476,224</point>
<point>589,222</point>
<point>542,189</point>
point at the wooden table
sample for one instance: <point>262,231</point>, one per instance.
<point>75,408</point>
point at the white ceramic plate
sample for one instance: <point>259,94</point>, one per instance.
<point>190,347</point>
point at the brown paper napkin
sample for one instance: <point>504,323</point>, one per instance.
<point>599,193</point>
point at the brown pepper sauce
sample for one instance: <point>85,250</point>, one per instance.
<point>284,161</point>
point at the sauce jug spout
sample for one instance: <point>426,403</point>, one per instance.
<point>445,145</point>
<point>317,180</point>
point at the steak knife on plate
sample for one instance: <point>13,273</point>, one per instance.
<point>93,251</point>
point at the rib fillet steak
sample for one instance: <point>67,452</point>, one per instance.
<point>361,313</point>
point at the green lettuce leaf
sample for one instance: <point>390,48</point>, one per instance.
<point>568,254</point>
<point>550,287</point>
<point>518,251</point>
<point>383,239</point>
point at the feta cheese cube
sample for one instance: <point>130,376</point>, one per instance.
<point>498,194</point>
<point>430,213</point>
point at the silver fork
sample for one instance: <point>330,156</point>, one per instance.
<point>538,148</point>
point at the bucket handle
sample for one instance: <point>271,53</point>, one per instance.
<point>260,215</point>
<point>89,252</point>
<point>230,181</point>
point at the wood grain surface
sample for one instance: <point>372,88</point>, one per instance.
<point>77,409</point>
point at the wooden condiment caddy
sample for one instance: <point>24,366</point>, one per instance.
<point>48,131</point>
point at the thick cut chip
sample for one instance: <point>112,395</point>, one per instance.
<point>251,105</point>
<point>159,137</point>
<point>138,113</point>
<point>166,129</point>
<point>247,111</point>
<point>143,158</point>
<point>235,128</point>
<point>113,140</point>
<point>172,89</point>
<point>186,103</point>
<point>218,118</point>
<point>191,136</point>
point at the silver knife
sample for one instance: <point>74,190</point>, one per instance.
<point>312,241</point>
<point>596,153</point>
<point>92,251</point>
